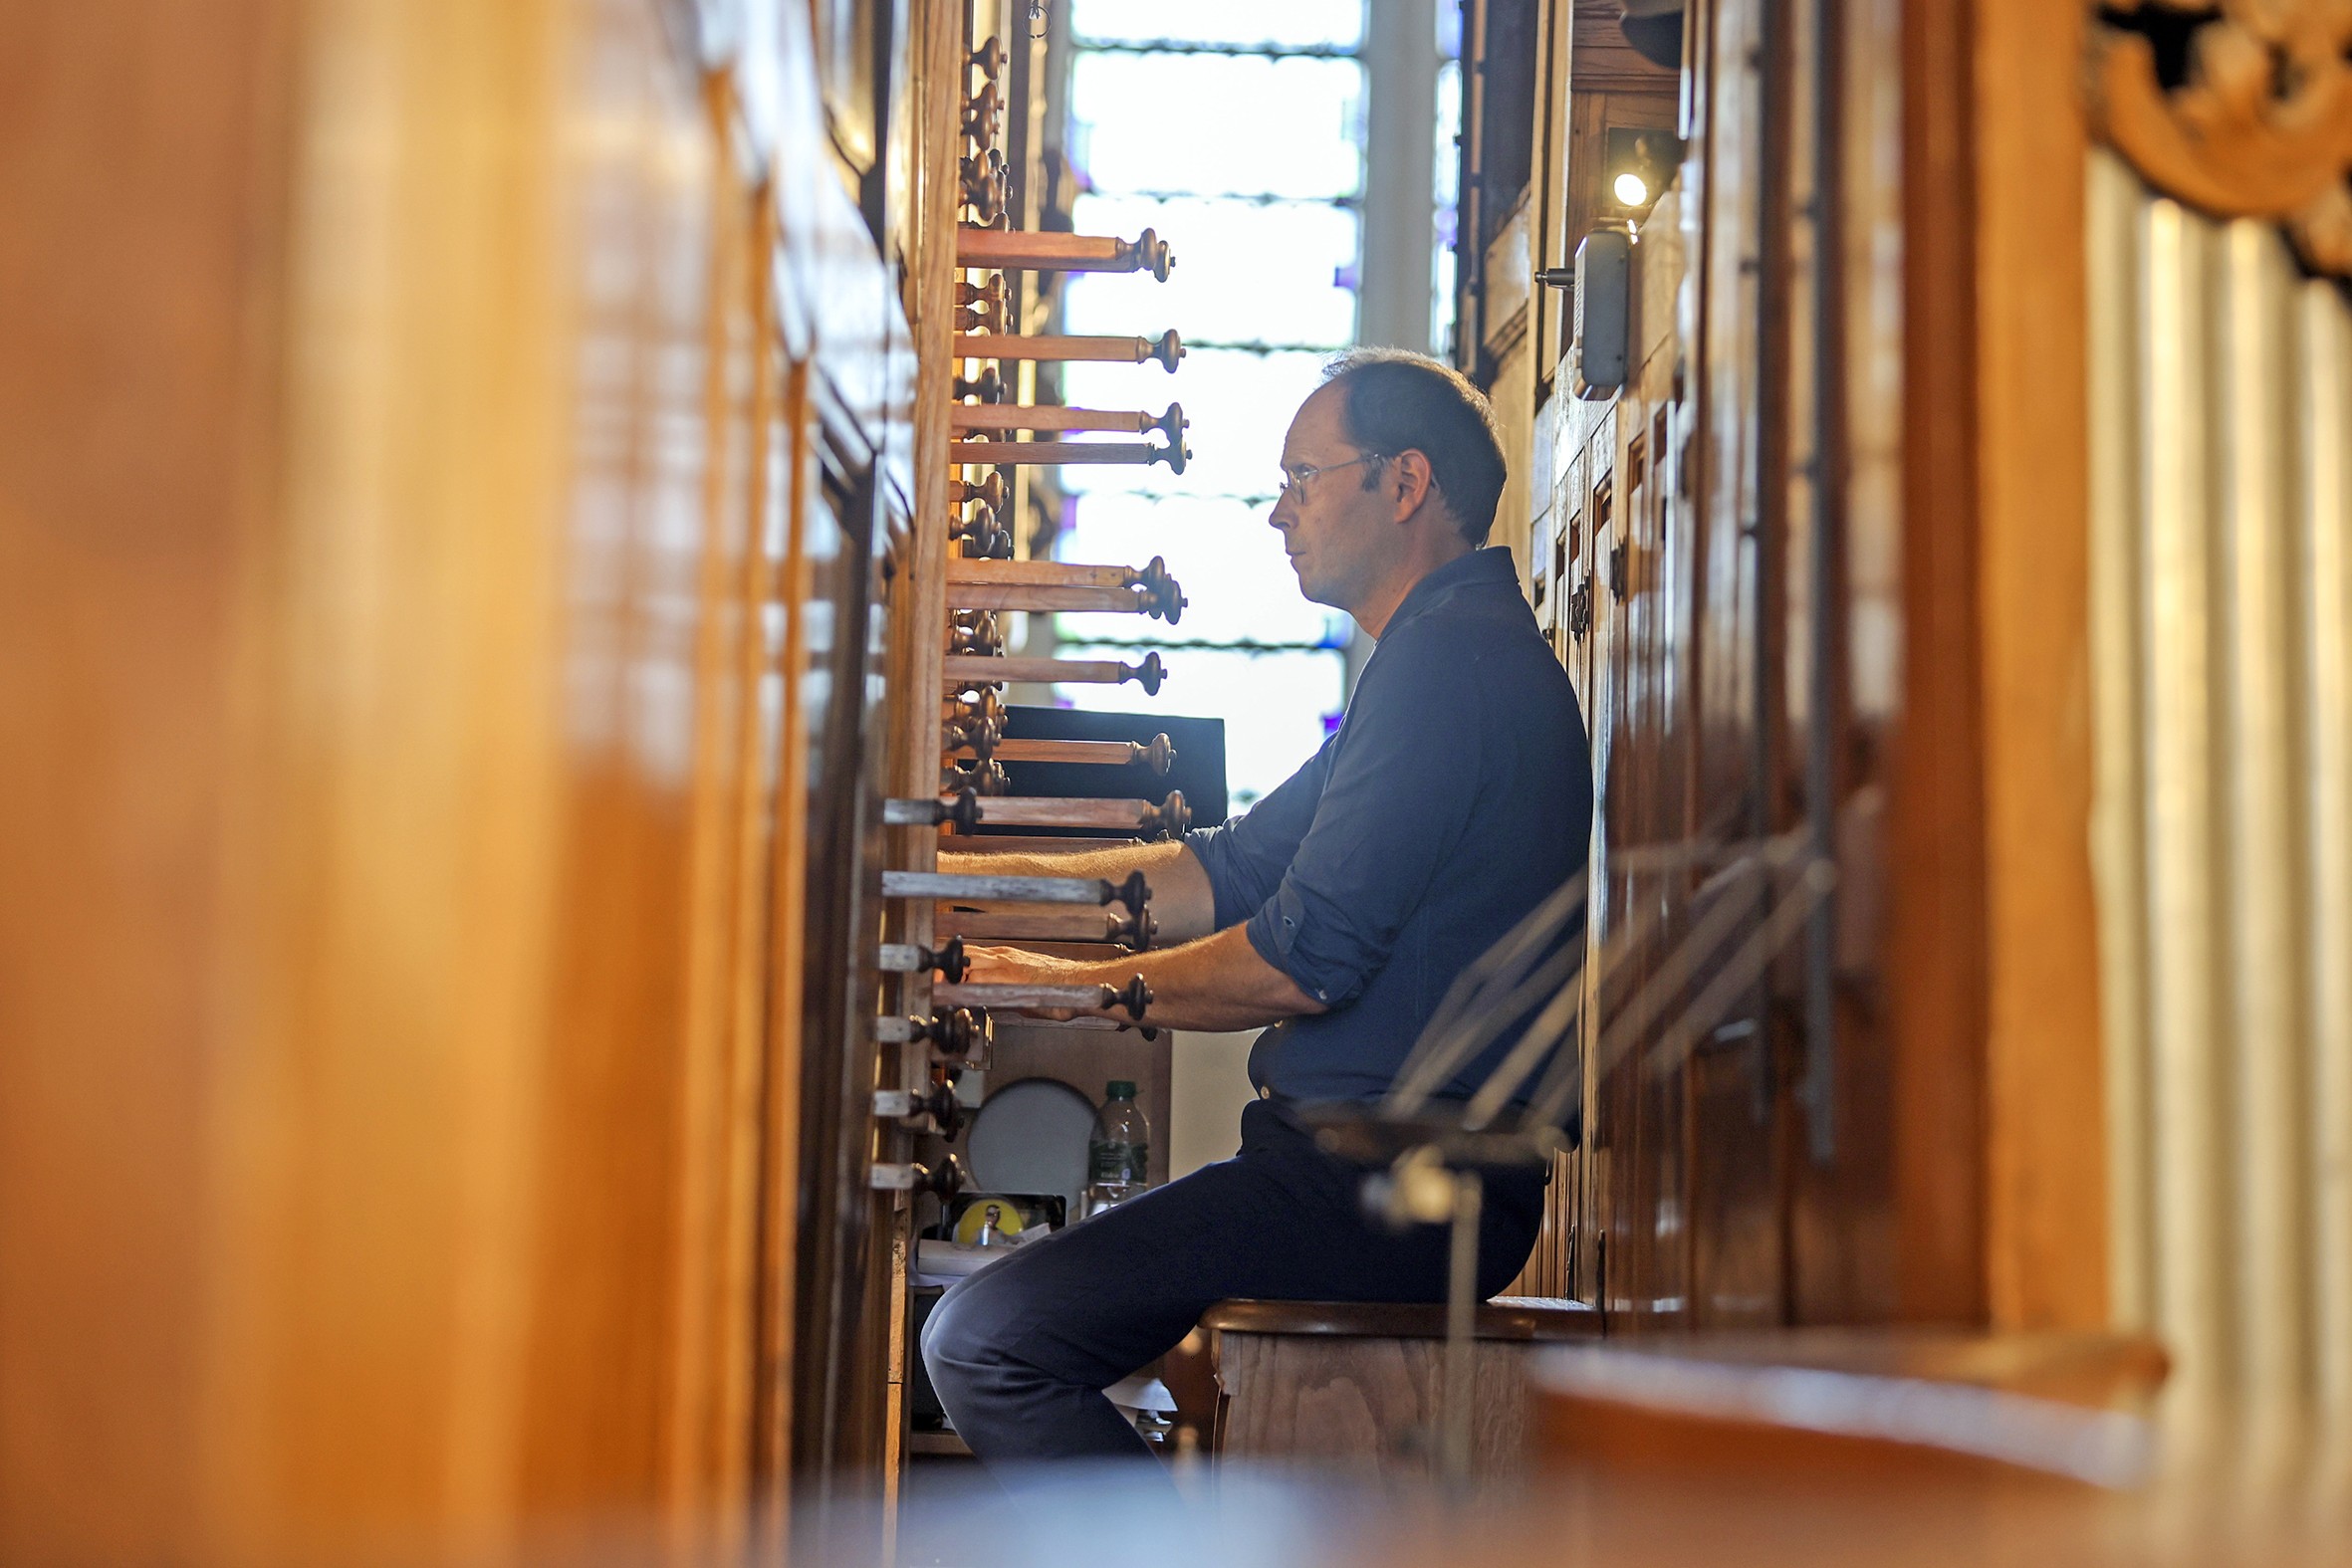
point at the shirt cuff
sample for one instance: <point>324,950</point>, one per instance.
<point>1274,931</point>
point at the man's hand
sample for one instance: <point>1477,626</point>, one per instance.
<point>1019,966</point>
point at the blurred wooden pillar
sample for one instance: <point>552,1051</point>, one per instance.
<point>391,537</point>
<point>2047,1181</point>
<point>142,178</point>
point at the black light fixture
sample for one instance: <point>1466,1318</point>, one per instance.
<point>1654,28</point>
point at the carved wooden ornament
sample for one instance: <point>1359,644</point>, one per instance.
<point>2260,129</point>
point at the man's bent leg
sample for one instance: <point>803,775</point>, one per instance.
<point>1019,1351</point>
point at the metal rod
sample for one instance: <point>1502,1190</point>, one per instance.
<point>1167,349</point>
<point>1763,522</point>
<point>1031,250</point>
<point>1461,1323</point>
<point>1715,924</point>
<point>1551,1025</point>
<point>1503,969</point>
<point>1741,970</point>
<point>1826,484</point>
<point>963,670</point>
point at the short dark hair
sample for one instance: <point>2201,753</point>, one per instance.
<point>1392,401</point>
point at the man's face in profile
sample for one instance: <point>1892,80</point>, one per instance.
<point>1331,525</point>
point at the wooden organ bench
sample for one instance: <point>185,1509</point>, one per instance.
<point>1354,1387</point>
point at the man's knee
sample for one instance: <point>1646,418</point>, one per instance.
<point>961,1336</point>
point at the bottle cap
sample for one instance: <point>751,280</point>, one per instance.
<point>1120,1089</point>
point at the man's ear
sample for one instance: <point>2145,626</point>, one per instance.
<point>1411,482</point>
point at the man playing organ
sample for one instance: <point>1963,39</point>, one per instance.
<point>1452,799</point>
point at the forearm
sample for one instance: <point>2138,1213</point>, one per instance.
<point>1215,983</point>
<point>1181,899</point>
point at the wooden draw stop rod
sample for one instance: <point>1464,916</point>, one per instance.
<point>965,671</point>
<point>1167,349</point>
<point>1028,250</point>
<point>1050,586</point>
<point>1089,926</point>
<point>1023,844</point>
<point>1159,755</point>
<point>1135,454</point>
<point>967,810</point>
<point>970,418</point>
<point>1134,892</point>
<point>1134,997</point>
<point>1038,598</point>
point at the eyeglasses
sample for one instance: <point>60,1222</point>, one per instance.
<point>1296,477</point>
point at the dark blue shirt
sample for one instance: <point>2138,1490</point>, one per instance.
<point>1454,797</point>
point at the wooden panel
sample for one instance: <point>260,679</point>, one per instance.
<point>1934,940</point>
<point>838,1375</point>
<point>1738,1268</point>
<point>790,500</point>
<point>443,749</point>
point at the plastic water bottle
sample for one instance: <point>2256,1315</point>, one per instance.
<point>1119,1152</point>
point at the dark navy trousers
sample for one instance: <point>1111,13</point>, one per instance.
<point>1020,1351</point>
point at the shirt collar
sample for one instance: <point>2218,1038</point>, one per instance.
<point>1487,564</point>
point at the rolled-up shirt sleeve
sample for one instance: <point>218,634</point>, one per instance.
<point>1399,795</point>
<point>1246,857</point>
